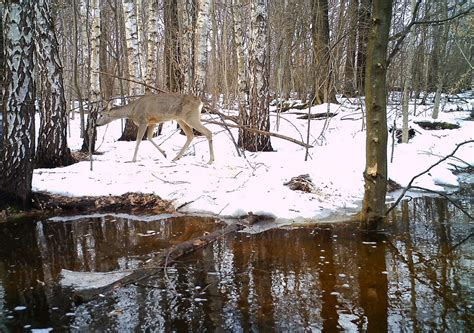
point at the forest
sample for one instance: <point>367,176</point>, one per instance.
<point>64,59</point>
<point>237,165</point>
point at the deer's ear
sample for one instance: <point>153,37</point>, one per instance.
<point>109,105</point>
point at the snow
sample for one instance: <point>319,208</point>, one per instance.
<point>233,185</point>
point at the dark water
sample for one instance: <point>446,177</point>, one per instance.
<point>417,275</point>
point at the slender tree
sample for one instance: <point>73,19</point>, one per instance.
<point>200,57</point>
<point>17,151</point>
<point>94,95</point>
<point>134,62</point>
<point>324,88</point>
<point>258,114</point>
<point>52,148</point>
<point>375,174</point>
<point>172,52</point>
<point>151,59</point>
<point>362,37</point>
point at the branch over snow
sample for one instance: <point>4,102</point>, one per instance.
<point>422,173</point>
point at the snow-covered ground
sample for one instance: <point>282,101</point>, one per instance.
<point>233,185</point>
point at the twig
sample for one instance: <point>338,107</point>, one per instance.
<point>446,197</point>
<point>422,173</point>
<point>255,130</point>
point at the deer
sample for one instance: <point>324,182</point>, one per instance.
<point>150,110</point>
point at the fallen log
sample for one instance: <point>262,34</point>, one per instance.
<point>156,264</point>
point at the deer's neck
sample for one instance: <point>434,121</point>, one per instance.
<point>121,112</point>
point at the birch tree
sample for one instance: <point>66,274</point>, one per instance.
<point>258,114</point>
<point>134,67</point>
<point>17,153</point>
<point>133,50</point>
<point>200,57</point>
<point>242,83</point>
<point>94,94</point>
<point>152,41</point>
<point>375,174</point>
<point>52,148</point>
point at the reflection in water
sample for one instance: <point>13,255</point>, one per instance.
<point>415,276</point>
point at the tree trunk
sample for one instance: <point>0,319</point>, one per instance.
<point>441,73</point>
<point>200,56</point>
<point>134,67</point>
<point>52,148</point>
<point>375,175</point>
<point>349,65</point>
<point>259,113</point>
<point>364,25</point>
<point>94,95</point>
<point>151,61</point>
<point>173,75</point>
<point>324,90</point>
<point>185,12</point>
<point>75,70</point>
<point>17,153</point>
<point>407,86</point>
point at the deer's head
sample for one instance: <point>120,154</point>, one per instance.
<point>105,116</point>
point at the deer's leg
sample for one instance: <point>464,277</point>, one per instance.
<point>195,122</point>
<point>151,128</point>
<point>140,133</point>
<point>189,137</point>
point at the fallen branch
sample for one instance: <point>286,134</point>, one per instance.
<point>156,264</point>
<point>422,173</point>
<point>255,130</point>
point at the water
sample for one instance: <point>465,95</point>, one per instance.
<point>416,275</point>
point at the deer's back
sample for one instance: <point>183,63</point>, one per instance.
<point>164,107</point>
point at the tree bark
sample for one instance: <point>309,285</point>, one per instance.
<point>173,74</point>
<point>151,60</point>
<point>324,89</point>
<point>185,13</point>
<point>52,148</point>
<point>94,95</point>
<point>259,113</point>
<point>375,174</point>
<point>17,153</point>
<point>200,56</point>
<point>349,65</point>
<point>363,33</point>
<point>134,67</point>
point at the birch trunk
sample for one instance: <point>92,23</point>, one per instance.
<point>133,50</point>
<point>17,153</point>
<point>259,114</point>
<point>52,148</point>
<point>375,174</point>
<point>134,63</point>
<point>151,61</point>
<point>200,56</point>
<point>94,81</point>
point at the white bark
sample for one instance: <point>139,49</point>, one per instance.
<point>17,152</point>
<point>239,47</point>
<point>200,57</point>
<point>95,52</point>
<point>151,44</point>
<point>133,50</point>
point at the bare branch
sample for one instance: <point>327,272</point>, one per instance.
<point>422,173</point>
